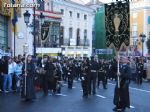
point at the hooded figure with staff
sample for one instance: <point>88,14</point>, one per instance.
<point>117,23</point>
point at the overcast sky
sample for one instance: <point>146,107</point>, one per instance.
<point>99,0</point>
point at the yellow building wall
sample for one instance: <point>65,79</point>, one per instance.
<point>139,21</point>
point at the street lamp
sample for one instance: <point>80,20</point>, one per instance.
<point>142,36</point>
<point>26,47</point>
<point>26,17</point>
<point>26,20</point>
<point>42,21</point>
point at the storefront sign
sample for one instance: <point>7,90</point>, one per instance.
<point>104,51</point>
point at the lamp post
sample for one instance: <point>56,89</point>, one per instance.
<point>42,21</point>
<point>26,47</point>
<point>142,36</point>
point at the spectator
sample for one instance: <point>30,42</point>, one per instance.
<point>148,70</point>
<point>133,69</point>
<point>18,73</point>
<point>1,76</point>
<point>7,75</point>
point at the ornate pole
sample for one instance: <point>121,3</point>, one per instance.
<point>118,69</point>
<point>26,19</point>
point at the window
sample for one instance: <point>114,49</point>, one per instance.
<point>85,34</point>
<point>85,37</point>
<point>78,15</point>
<point>62,11</point>
<point>42,4</point>
<point>3,31</point>
<point>70,13</point>
<point>134,30</point>
<point>85,17</point>
<point>70,33</point>
<point>78,37</point>
<point>61,35</point>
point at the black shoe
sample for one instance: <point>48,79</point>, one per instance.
<point>115,109</point>
<point>45,94</point>
<point>85,96</point>
<point>123,110</point>
<point>94,93</point>
<point>104,87</point>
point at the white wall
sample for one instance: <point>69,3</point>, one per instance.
<point>67,22</point>
<point>75,22</point>
<point>21,26</point>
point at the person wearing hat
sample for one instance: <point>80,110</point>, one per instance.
<point>121,93</point>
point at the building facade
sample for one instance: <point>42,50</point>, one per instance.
<point>5,28</point>
<point>25,34</point>
<point>140,23</point>
<point>70,28</point>
<point>76,27</point>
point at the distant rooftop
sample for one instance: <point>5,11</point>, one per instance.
<point>78,1</point>
<point>97,2</point>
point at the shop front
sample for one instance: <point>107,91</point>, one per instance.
<point>3,31</point>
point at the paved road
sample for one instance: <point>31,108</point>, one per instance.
<point>72,101</point>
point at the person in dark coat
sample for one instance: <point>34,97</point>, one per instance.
<point>44,76</point>
<point>70,74</point>
<point>57,79</point>
<point>93,76</point>
<point>64,69</point>
<point>101,74</point>
<point>48,78</point>
<point>28,90</point>
<point>121,94</point>
<point>85,77</point>
<point>113,69</point>
<point>1,73</point>
<point>140,69</point>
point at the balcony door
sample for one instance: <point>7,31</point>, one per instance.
<point>78,37</point>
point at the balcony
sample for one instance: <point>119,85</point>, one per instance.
<point>80,42</point>
<point>84,42</point>
<point>48,44</point>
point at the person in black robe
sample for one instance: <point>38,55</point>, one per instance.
<point>85,69</point>
<point>70,74</point>
<point>93,76</point>
<point>140,70</point>
<point>48,78</point>
<point>57,79</point>
<point>121,94</point>
<point>28,90</point>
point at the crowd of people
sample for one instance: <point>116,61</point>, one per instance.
<point>20,75</point>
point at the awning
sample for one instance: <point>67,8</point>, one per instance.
<point>49,15</point>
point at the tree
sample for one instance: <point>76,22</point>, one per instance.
<point>148,43</point>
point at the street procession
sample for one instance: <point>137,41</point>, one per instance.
<point>74,55</point>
